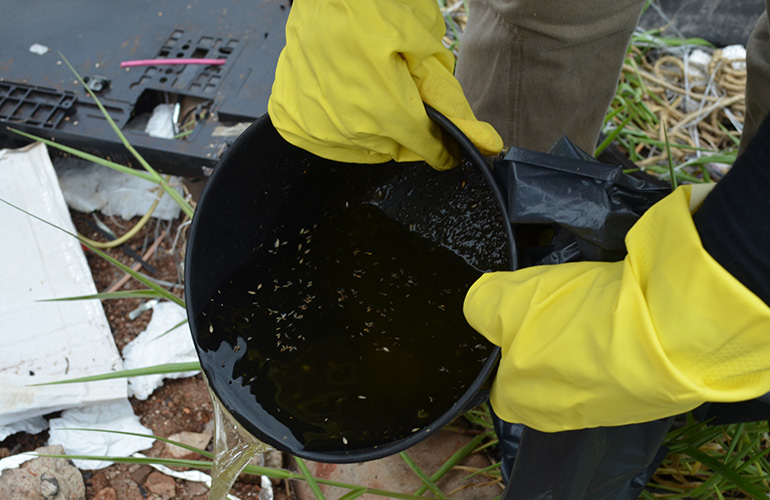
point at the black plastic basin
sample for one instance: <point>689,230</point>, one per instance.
<point>325,299</point>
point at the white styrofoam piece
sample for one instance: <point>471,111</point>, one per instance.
<point>737,55</point>
<point>158,346</point>
<point>46,341</point>
<point>697,69</point>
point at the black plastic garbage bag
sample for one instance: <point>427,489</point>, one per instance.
<point>565,206</point>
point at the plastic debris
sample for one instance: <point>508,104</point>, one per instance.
<point>68,432</point>
<point>736,54</point>
<point>159,345</point>
<point>87,187</point>
<point>162,123</point>
<point>39,49</point>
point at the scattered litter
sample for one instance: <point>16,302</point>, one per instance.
<point>693,98</point>
<point>736,54</point>
<point>142,308</point>
<point>162,123</point>
<point>171,62</point>
<point>39,49</point>
<point>697,69</point>
<point>46,341</point>
<point>159,345</point>
<point>88,187</point>
<point>71,432</point>
<point>97,83</point>
<point>266,488</point>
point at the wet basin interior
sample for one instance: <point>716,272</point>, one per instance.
<point>325,299</point>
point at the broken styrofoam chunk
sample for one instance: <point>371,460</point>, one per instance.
<point>697,66</point>
<point>88,187</point>
<point>737,55</point>
<point>159,345</point>
<point>39,49</point>
<point>46,341</point>
<point>119,416</point>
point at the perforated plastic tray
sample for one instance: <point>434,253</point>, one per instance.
<point>40,95</point>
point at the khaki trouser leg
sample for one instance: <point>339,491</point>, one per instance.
<point>757,78</point>
<point>537,69</point>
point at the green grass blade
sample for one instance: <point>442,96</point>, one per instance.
<point>426,481</point>
<point>730,135</point>
<point>352,495</point>
<point>121,294</point>
<point>169,462</point>
<point>727,472</point>
<point>671,170</point>
<point>112,123</point>
<point>493,469</point>
<point>739,430</point>
<point>86,156</point>
<point>311,482</point>
<point>680,175</point>
<point>455,459</point>
<point>184,321</point>
<point>150,436</point>
<point>135,372</point>
<point>136,275</point>
<point>177,462</point>
<point>612,135</point>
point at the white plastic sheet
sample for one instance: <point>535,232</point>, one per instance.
<point>88,187</point>
<point>159,345</point>
<point>115,416</point>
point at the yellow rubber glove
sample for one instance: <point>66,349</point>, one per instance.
<point>351,82</point>
<point>593,344</point>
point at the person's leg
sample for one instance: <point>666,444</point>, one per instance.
<point>757,78</point>
<point>605,463</point>
<point>538,69</point>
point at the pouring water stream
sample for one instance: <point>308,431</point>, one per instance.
<point>233,449</point>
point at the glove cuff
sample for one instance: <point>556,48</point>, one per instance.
<point>712,330</point>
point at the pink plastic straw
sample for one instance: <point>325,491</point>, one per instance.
<point>162,62</point>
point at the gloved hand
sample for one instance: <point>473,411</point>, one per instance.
<point>351,82</point>
<point>603,344</point>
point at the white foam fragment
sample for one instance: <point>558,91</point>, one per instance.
<point>46,341</point>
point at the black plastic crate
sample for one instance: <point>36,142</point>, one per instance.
<point>40,95</point>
